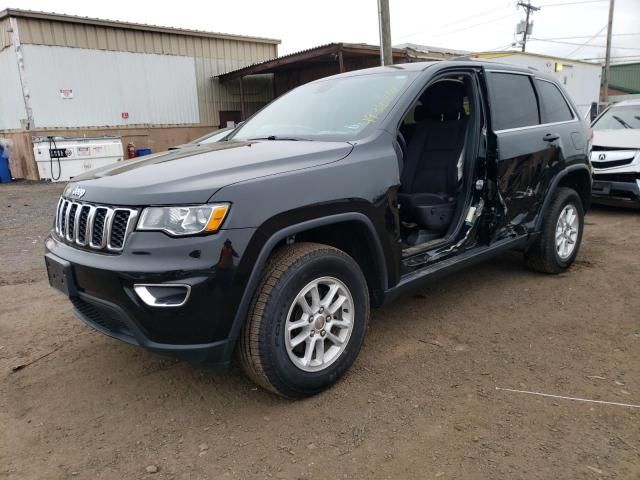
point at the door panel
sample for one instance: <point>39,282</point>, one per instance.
<point>525,160</point>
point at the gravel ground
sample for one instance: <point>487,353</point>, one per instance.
<point>421,401</point>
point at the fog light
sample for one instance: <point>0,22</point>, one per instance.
<point>163,295</point>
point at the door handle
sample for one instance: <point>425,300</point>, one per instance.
<point>550,137</point>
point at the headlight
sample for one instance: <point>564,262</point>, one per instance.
<point>184,220</point>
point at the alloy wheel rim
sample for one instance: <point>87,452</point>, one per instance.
<point>319,324</point>
<point>567,230</point>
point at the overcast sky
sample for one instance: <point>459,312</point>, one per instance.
<point>459,24</point>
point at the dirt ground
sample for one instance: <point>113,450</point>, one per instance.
<point>420,402</point>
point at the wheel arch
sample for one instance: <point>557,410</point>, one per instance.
<point>315,230</point>
<point>577,177</point>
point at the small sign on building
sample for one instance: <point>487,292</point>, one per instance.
<point>66,93</point>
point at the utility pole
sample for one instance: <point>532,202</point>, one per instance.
<point>529,8</point>
<point>607,59</point>
<point>386,54</point>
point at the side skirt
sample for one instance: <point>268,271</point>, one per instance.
<point>442,268</point>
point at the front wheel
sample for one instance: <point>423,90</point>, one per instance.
<point>307,320</point>
<point>557,246</point>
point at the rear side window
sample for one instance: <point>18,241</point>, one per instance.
<point>513,102</point>
<point>554,106</point>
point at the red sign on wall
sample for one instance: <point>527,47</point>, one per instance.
<point>125,115</point>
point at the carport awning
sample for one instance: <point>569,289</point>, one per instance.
<point>329,53</point>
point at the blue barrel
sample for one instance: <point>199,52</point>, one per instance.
<point>141,152</point>
<point>5,173</point>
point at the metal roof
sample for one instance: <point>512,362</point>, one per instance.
<point>316,53</point>
<point>430,49</point>
<point>18,13</point>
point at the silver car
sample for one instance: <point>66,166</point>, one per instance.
<point>615,156</point>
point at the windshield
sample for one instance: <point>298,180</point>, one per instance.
<point>339,108</point>
<point>616,118</point>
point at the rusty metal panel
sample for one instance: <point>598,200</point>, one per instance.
<point>5,37</point>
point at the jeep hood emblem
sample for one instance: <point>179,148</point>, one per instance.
<point>78,192</point>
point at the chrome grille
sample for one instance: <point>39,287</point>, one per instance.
<point>94,226</point>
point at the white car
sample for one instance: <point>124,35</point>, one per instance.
<point>615,156</point>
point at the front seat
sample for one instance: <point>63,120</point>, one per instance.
<point>429,180</point>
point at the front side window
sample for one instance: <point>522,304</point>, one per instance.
<point>339,108</point>
<point>554,105</point>
<point>513,101</point>
<point>618,118</point>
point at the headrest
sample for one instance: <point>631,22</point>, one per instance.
<point>441,101</point>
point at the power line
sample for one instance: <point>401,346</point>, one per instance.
<point>588,41</point>
<point>571,3</point>
<point>612,57</point>
<point>475,25</point>
<point>588,36</point>
<point>462,20</point>
<point>500,48</point>
<point>579,44</point>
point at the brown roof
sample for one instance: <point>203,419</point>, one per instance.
<point>317,53</point>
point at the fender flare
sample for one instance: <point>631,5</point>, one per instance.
<point>261,261</point>
<point>554,186</point>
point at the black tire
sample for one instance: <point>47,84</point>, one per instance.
<point>543,256</point>
<point>262,351</point>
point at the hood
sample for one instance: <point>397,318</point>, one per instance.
<point>621,138</point>
<point>192,175</point>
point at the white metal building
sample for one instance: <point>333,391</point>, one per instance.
<point>154,86</point>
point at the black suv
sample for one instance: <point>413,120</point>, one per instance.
<point>340,195</point>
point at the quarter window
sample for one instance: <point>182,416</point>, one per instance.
<point>554,105</point>
<point>514,101</point>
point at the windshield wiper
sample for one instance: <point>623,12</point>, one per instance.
<point>621,121</point>
<point>274,137</point>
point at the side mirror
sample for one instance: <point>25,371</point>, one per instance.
<point>593,113</point>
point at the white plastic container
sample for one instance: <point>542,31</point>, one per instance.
<point>81,155</point>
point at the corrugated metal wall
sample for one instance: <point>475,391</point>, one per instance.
<point>69,34</point>
<point>5,37</point>
<point>626,77</point>
<point>151,89</point>
<point>212,56</point>
<point>11,101</point>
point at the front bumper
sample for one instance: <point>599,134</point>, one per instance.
<point>103,296</point>
<point>616,191</point>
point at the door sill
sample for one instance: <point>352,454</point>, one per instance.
<point>452,264</point>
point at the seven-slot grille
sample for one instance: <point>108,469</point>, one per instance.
<point>94,226</point>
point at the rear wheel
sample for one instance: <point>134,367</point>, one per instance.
<point>557,247</point>
<point>307,320</point>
